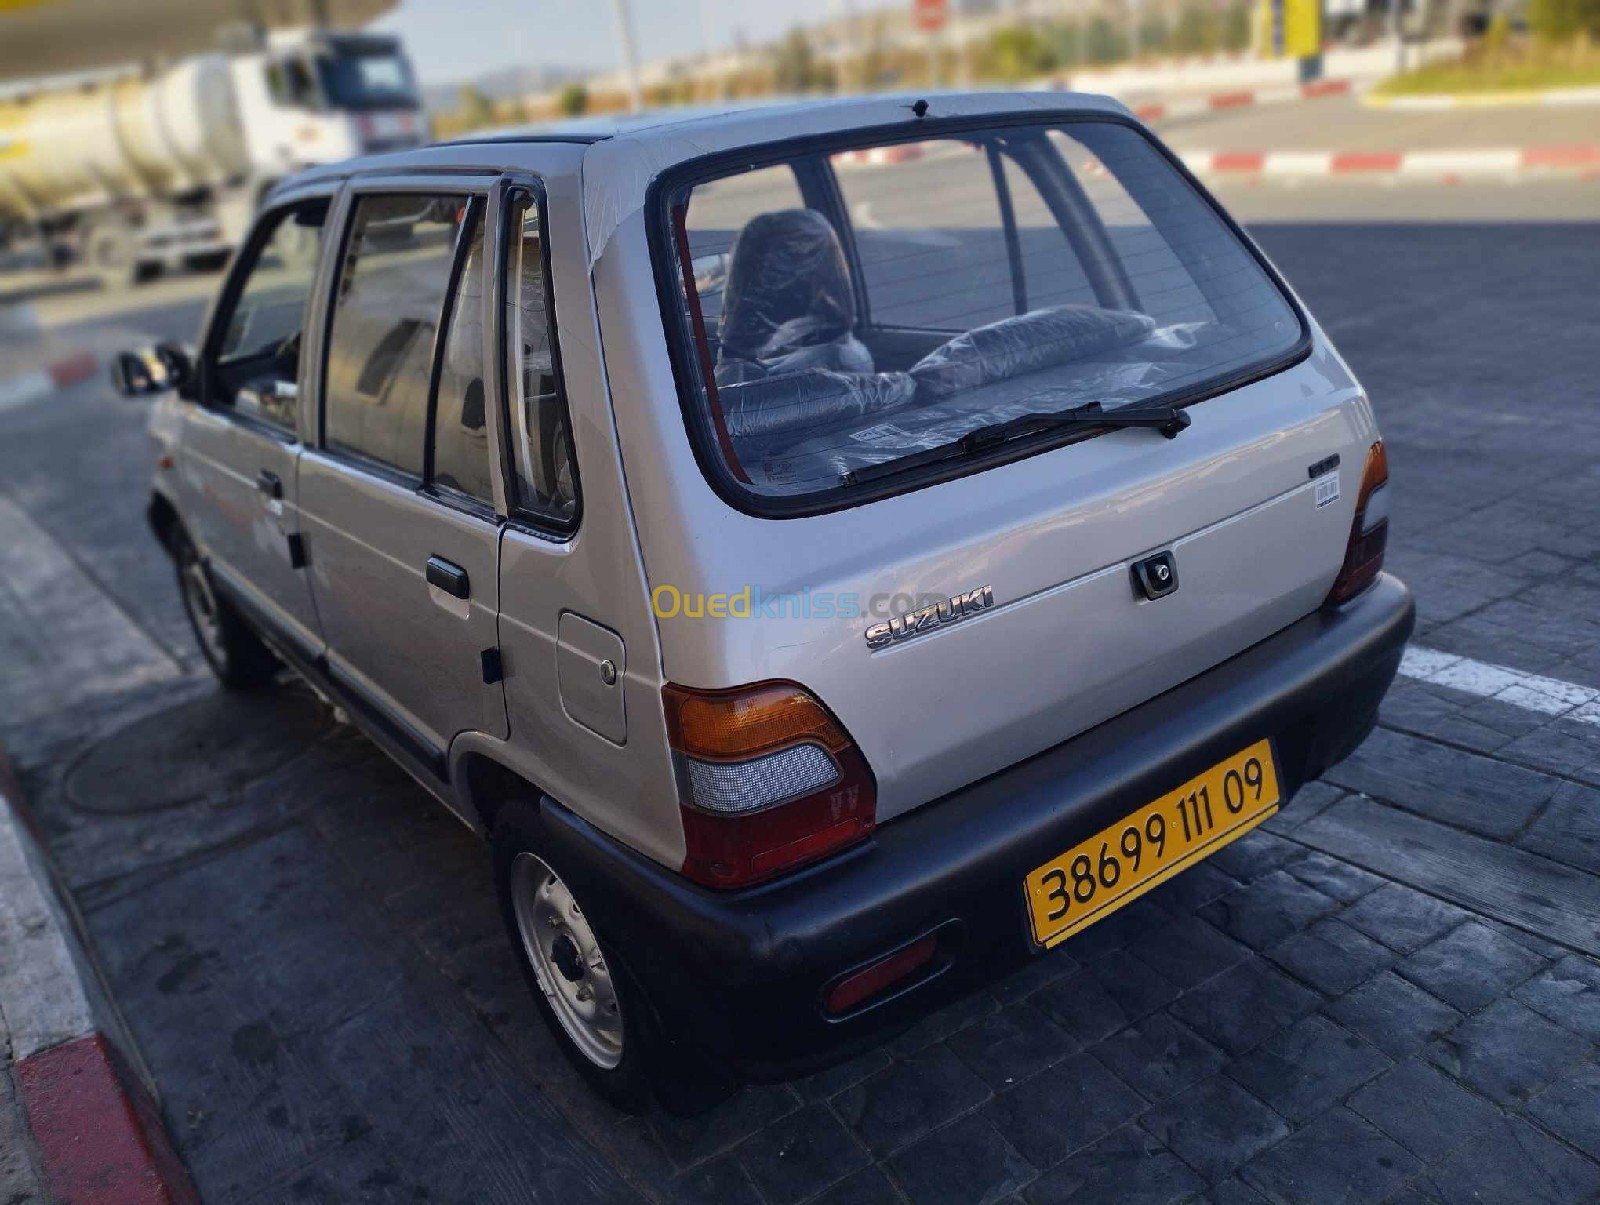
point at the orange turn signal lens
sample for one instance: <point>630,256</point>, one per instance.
<point>721,725</point>
<point>1369,531</point>
<point>768,781</point>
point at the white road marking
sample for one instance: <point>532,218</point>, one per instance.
<point>1548,696</point>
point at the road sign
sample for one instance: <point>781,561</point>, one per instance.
<point>930,15</point>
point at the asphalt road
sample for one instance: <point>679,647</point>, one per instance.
<point>1397,990</point>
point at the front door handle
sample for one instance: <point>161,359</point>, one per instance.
<point>449,577</point>
<point>269,483</point>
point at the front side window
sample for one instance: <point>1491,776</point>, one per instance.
<point>952,285</point>
<point>256,365</point>
<point>545,482</point>
<point>395,276</point>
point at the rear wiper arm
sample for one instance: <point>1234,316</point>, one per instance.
<point>1169,420</point>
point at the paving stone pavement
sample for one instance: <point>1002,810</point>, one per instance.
<point>332,1016</point>
<point>1390,992</point>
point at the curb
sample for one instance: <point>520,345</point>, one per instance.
<point>878,156</point>
<point>1538,97</point>
<point>93,1120</point>
<point>1219,101</point>
<point>1446,165</point>
<point>30,386</point>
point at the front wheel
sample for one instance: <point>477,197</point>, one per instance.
<point>235,653</point>
<point>597,1016</point>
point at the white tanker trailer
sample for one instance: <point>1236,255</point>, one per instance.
<point>130,170</point>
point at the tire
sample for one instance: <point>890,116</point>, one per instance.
<point>111,253</point>
<point>608,1037</point>
<point>235,654</point>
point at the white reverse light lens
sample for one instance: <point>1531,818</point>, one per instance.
<point>733,788</point>
<point>1377,508</point>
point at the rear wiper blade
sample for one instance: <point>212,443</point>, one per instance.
<point>1169,420</point>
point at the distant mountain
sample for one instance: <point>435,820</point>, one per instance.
<point>504,84</point>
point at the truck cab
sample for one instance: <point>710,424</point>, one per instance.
<point>312,97</point>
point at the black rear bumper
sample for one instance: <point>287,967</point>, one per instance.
<point>741,974</point>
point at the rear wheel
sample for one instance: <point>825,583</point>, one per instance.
<point>235,653</point>
<point>597,1015</point>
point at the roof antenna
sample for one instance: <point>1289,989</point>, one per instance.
<point>920,108</point>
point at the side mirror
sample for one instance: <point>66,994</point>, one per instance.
<point>152,370</point>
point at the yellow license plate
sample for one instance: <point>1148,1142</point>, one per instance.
<point>1147,847</point>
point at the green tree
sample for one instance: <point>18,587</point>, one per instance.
<point>475,109</point>
<point>1195,32</point>
<point>1153,35</point>
<point>1068,44</point>
<point>794,63</point>
<point>1104,43</point>
<point>1236,27</point>
<point>574,100</point>
<point>1018,53</point>
<point>1564,20</point>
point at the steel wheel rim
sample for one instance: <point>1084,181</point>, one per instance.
<point>202,603</point>
<point>580,990</point>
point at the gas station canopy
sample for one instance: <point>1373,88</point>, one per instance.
<point>47,37</point>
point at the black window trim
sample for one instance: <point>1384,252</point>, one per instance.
<point>502,202</point>
<point>687,377</point>
<point>475,186</point>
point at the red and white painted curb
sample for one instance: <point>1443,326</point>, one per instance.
<point>1445,164</point>
<point>880,156</point>
<point>30,386</point>
<point>97,1130</point>
<point>1200,106</point>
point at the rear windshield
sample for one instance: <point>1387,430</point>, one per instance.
<point>847,310</point>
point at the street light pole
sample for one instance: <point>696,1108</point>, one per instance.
<point>630,58</point>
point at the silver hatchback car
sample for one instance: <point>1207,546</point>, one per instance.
<point>834,552</point>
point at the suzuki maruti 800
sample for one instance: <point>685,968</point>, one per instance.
<point>835,552</point>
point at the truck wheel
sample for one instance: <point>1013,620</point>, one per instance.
<point>111,253</point>
<point>235,653</point>
<point>589,1002</point>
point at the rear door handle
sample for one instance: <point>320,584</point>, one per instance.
<point>269,483</point>
<point>449,577</point>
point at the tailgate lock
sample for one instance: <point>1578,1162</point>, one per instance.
<point>1155,576</point>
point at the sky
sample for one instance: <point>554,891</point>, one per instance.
<point>456,40</point>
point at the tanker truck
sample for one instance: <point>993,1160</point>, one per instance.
<point>131,170</point>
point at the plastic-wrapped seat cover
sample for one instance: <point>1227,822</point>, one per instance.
<point>788,304</point>
<point>1013,347</point>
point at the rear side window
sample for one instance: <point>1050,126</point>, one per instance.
<point>962,283</point>
<point>460,427</point>
<point>395,277</point>
<point>545,481</point>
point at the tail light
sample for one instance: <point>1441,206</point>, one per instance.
<point>769,780</point>
<point>1369,533</point>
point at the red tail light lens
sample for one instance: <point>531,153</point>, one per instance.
<point>768,780</point>
<point>1369,532</point>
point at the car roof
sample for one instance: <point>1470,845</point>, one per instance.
<point>756,118</point>
<point>626,152</point>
